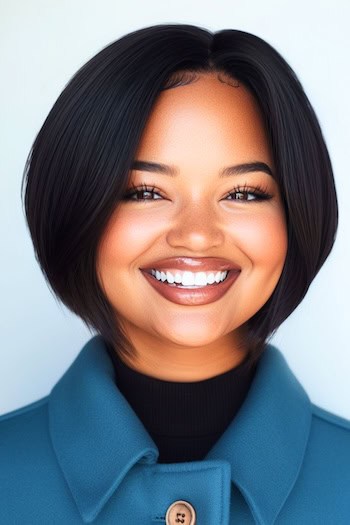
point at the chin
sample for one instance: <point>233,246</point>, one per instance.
<point>191,338</point>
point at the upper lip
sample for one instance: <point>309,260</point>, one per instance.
<point>204,264</point>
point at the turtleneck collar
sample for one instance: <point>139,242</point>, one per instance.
<point>184,419</point>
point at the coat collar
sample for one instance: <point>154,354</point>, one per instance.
<point>89,419</point>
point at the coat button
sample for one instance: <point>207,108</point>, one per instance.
<point>180,512</point>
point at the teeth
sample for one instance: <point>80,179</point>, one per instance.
<point>200,279</point>
<point>177,278</point>
<point>218,277</point>
<point>190,278</point>
<point>170,278</point>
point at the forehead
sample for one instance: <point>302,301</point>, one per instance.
<point>206,112</point>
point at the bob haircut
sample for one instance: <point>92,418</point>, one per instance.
<point>78,167</point>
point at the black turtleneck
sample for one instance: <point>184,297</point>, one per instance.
<point>184,419</point>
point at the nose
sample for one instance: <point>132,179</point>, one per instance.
<point>196,228</point>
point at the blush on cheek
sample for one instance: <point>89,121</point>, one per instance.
<point>129,235</point>
<point>263,240</point>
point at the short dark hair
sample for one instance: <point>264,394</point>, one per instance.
<point>78,167</point>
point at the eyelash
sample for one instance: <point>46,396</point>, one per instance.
<point>258,191</point>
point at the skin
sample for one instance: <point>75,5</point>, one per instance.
<point>198,129</point>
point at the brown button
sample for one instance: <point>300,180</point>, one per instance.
<point>180,512</point>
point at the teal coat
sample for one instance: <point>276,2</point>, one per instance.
<point>81,455</point>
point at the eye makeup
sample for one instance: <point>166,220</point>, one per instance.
<point>258,192</point>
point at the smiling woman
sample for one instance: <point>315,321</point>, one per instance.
<point>181,200</point>
<point>194,219</point>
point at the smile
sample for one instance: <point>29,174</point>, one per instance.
<point>196,279</point>
<point>191,288</point>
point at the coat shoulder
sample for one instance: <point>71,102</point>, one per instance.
<point>329,419</point>
<point>31,407</point>
<point>321,490</point>
<point>329,448</point>
<point>30,480</point>
<point>22,431</point>
<point>331,433</point>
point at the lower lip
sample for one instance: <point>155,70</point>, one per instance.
<point>196,295</point>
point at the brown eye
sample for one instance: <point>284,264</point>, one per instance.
<point>242,196</point>
<point>142,193</point>
<point>248,194</point>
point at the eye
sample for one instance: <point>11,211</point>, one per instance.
<point>246,193</point>
<point>142,193</point>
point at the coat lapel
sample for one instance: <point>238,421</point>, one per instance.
<point>265,443</point>
<point>97,438</point>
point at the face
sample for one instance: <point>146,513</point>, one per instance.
<point>189,211</point>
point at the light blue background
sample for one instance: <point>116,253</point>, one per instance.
<point>42,45</point>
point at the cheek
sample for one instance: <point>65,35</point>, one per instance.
<point>126,238</point>
<point>263,239</point>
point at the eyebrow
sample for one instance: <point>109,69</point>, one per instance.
<point>238,169</point>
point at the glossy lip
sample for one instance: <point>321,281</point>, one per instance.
<point>203,264</point>
<point>192,296</point>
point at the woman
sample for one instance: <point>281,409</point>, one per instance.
<point>181,200</point>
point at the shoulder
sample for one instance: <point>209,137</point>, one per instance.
<point>22,411</point>
<point>22,429</point>
<point>25,440</point>
<point>330,430</point>
<point>29,472</point>
<point>330,420</point>
<point>327,455</point>
<point>26,414</point>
